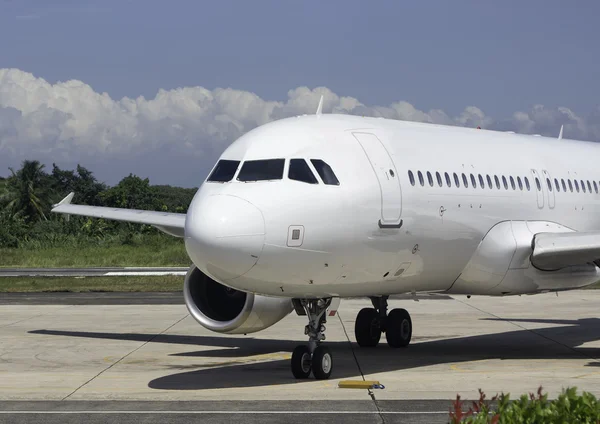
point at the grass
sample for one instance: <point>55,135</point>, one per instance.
<point>168,283</point>
<point>171,253</point>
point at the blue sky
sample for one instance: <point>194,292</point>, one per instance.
<point>501,57</point>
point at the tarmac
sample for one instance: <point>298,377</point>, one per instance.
<point>106,356</point>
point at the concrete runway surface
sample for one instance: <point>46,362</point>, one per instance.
<point>105,360</point>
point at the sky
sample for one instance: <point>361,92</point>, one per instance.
<point>160,89</point>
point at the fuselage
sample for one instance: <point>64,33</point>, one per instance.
<point>405,210</point>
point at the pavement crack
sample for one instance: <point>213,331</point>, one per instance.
<point>125,356</point>
<point>369,391</point>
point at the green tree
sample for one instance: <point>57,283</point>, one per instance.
<point>27,192</point>
<point>174,199</point>
<point>132,192</point>
<point>87,189</point>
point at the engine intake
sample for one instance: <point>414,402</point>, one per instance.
<point>225,310</point>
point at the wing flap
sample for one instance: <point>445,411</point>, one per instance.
<point>552,251</point>
<point>170,223</point>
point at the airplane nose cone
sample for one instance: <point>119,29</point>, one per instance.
<point>224,235</point>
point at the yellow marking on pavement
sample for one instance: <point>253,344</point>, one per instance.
<point>357,384</point>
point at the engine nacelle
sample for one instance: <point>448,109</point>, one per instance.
<point>225,310</point>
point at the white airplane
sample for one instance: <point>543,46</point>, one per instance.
<point>301,212</point>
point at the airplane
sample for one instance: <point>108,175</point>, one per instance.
<point>301,212</point>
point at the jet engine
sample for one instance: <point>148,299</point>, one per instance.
<point>225,310</point>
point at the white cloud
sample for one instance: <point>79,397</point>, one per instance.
<point>70,120</point>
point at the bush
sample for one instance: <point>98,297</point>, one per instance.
<point>569,407</point>
<point>13,229</point>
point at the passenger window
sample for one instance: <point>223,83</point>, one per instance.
<point>562,180</point>
<point>473,183</point>
<point>557,185</point>
<point>512,182</point>
<point>325,172</point>
<point>504,182</point>
<point>300,171</point>
<point>537,183</point>
<point>448,182</point>
<point>589,186</point>
<point>430,178</point>
<point>549,184</point>
<point>421,181</point>
<point>520,183</point>
<point>411,177</point>
<point>570,186</point>
<point>481,183</point>
<point>497,182</point>
<point>456,180</point>
<point>595,187</point>
<point>261,170</point>
<point>439,178</point>
<point>224,171</point>
<point>576,185</point>
<point>582,186</point>
<point>489,181</point>
<point>465,182</point>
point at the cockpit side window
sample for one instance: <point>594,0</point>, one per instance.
<point>325,172</point>
<point>224,171</point>
<point>300,171</point>
<point>261,170</point>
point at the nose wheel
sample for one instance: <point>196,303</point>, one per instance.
<point>313,357</point>
<point>371,322</point>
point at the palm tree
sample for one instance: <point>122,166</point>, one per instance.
<point>26,191</point>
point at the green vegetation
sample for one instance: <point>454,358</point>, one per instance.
<point>141,250</point>
<point>168,283</point>
<point>569,407</point>
<point>31,236</point>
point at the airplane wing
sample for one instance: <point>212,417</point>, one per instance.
<point>170,223</point>
<point>553,251</point>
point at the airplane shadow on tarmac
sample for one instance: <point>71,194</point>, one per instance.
<point>242,370</point>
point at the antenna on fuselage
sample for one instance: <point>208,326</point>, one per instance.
<point>320,107</point>
<point>561,132</point>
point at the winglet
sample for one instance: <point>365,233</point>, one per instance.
<point>320,107</point>
<point>561,132</point>
<point>67,200</point>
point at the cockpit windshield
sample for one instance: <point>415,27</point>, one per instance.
<point>224,171</point>
<point>261,170</point>
<point>299,171</point>
<point>325,172</point>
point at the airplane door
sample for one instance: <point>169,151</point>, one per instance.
<point>548,184</point>
<point>387,176</point>
<point>537,186</point>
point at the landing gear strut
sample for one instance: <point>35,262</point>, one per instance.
<point>371,322</point>
<point>313,357</point>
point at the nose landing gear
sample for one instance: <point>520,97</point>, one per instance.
<point>313,357</point>
<point>371,322</point>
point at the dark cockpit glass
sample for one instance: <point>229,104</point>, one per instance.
<point>300,171</point>
<point>261,170</point>
<point>224,171</point>
<point>325,172</point>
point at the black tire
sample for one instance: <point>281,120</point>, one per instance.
<point>301,362</point>
<point>399,328</point>
<point>367,327</point>
<point>322,363</point>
